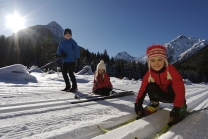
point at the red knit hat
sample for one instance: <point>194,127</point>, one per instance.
<point>157,50</point>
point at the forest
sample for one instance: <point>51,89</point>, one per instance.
<point>26,52</point>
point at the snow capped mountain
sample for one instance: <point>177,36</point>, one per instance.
<point>38,32</point>
<point>179,49</point>
<point>124,55</point>
<point>182,48</point>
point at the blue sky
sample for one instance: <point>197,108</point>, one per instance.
<point>114,25</point>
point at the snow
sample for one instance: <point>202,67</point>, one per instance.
<point>33,107</point>
<point>125,78</point>
<point>86,71</point>
<point>193,128</point>
<point>36,69</point>
<point>187,81</point>
<point>10,74</point>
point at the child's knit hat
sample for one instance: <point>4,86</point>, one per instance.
<point>157,50</point>
<point>101,65</point>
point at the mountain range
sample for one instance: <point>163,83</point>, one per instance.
<point>178,50</point>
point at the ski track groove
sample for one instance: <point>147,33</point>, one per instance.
<point>192,89</point>
<point>11,108</point>
<point>198,101</point>
<point>42,104</point>
<point>36,102</point>
<point>27,110</point>
<point>27,129</point>
<point>199,91</point>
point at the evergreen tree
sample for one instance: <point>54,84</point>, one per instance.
<point>38,52</point>
<point>11,52</point>
<point>98,56</point>
<point>112,60</point>
<point>106,56</point>
<point>48,49</point>
<point>2,50</point>
<point>30,53</point>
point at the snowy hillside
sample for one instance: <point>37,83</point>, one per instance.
<point>52,29</point>
<point>179,49</point>
<point>33,107</point>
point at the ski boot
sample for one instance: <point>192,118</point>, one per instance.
<point>66,88</point>
<point>152,108</point>
<point>73,90</point>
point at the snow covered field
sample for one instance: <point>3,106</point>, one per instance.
<point>33,107</point>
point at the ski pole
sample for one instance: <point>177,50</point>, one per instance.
<point>49,63</point>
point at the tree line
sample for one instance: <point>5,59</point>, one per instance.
<point>26,52</point>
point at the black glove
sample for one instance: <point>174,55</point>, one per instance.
<point>139,109</point>
<point>63,55</point>
<point>176,115</point>
<point>57,56</point>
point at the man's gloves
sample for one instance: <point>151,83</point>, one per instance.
<point>63,55</point>
<point>139,110</point>
<point>56,56</point>
<point>177,114</point>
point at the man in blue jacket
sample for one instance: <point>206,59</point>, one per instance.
<point>69,51</point>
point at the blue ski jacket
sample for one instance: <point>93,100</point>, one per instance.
<point>70,48</point>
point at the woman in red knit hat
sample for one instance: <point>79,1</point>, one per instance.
<point>162,83</point>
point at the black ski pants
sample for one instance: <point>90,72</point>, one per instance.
<point>69,68</point>
<point>156,94</point>
<point>103,91</point>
